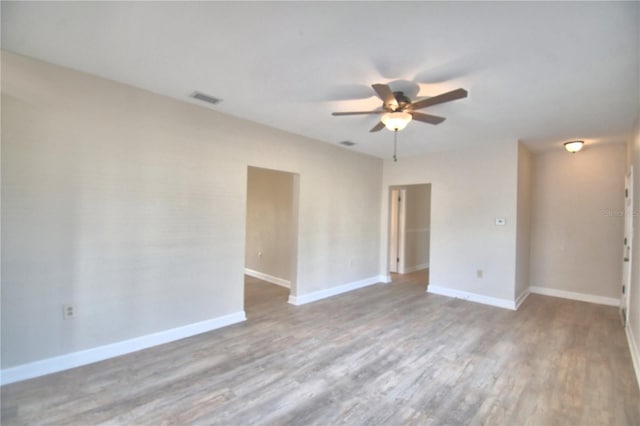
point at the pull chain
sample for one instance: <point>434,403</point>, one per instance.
<point>395,144</point>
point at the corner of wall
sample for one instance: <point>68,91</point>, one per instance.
<point>521,298</point>
<point>524,159</point>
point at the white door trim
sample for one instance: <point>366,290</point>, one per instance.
<point>402,225</point>
<point>628,244</point>
<point>394,194</point>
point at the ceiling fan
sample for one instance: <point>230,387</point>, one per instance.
<point>398,109</point>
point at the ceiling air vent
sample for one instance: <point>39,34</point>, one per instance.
<point>206,98</point>
<point>347,143</point>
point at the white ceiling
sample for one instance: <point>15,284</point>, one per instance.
<point>542,72</point>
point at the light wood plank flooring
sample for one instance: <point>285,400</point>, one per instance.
<point>386,354</point>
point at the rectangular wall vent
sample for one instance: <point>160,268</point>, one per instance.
<point>206,98</point>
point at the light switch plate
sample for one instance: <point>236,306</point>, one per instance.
<point>501,221</point>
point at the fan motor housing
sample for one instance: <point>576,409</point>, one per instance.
<point>402,99</point>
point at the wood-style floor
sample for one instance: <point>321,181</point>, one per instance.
<point>388,354</point>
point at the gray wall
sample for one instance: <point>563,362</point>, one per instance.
<point>132,206</point>
<point>576,234</point>
<point>469,189</point>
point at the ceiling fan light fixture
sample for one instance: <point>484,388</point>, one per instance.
<point>396,120</point>
<point>573,146</point>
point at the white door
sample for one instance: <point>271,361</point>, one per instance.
<point>628,235</point>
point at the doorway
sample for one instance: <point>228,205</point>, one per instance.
<point>409,230</point>
<point>270,238</point>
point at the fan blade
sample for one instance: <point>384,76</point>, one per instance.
<point>357,112</point>
<point>387,96</point>
<point>426,118</point>
<point>377,127</point>
<point>445,97</point>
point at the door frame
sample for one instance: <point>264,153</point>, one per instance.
<point>397,223</point>
<point>628,244</point>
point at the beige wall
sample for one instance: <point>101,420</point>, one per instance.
<point>523,229</point>
<point>469,189</point>
<point>270,224</point>
<point>132,206</point>
<point>417,222</point>
<point>576,244</point>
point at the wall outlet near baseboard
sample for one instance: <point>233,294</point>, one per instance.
<point>479,273</point>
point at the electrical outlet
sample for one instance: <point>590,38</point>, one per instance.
<point>260,254</point>
<point>479,273</point>
<point>350,263</point>
<point>68,311</point>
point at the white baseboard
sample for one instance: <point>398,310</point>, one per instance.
<point>520,299</point>
<point>472,297</point>
<point>269,278</point>
<point>100,353</point>
<point>386,279</point>
<point>333,291</point>
<point>410,269</point>
<point>582,297</point>
<point>635,353</point>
